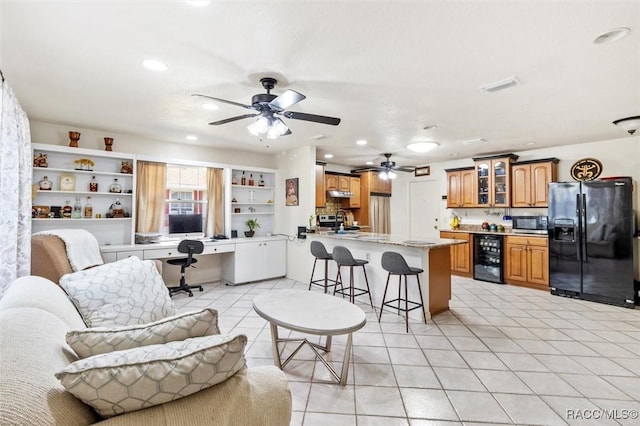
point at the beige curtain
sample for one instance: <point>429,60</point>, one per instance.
<point>380,215</point>
<point>151,184</point>
<point>215,202</point>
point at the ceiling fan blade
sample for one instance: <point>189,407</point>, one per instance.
<point>288,98</point>
<point>229,120</point>
<point>405,169</point>
<point>312,117</point>
<point>288,132</point>
<point>225,101</point>
<point>366,169</point>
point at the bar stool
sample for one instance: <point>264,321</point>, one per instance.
<point>319,252</point>
<point>395,264</point>
<point>343,257</point>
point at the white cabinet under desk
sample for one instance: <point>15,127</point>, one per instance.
<point>255,259</point>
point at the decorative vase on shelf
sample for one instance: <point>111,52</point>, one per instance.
<point>249,233</point>
<point>74,137</point>
<point>108,143</point>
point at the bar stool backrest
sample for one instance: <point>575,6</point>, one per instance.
<point>343,256</point>
<point>318,250</point>
<point>394,263</point>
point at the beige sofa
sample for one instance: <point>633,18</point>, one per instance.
<point>35,315</point>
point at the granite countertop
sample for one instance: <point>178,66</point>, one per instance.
<point>387,239</point>
<point>479,230</point>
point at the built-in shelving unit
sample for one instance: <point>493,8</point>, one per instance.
<point>107,166</point>
<point>252,201</point>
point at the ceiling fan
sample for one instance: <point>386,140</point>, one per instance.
<point>387,168</point>
<point>269,108</point>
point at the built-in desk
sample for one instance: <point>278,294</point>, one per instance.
<point>244,260</point>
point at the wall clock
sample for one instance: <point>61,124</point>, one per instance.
<point>586,169</point>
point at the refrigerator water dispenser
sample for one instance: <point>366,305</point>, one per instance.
<point>564,230</point>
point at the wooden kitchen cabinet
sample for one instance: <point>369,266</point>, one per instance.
<point>461,254</point>
<point>321,190</point>
<point>530,182</point>
<point>344,183</point>
<point>331,182</point>
<point>461,187</point>
<point>527,261</point>
<point>352,202</point>
<point>378,185</point>
<point>369,184</point>
<point>493,181</point>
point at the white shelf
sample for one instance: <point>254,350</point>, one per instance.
<point>251,204</point>
<point>251,214</point>
<point>84,193</point>
<point>82,219</point>
<point>87,172</point>
<point>251,187</point>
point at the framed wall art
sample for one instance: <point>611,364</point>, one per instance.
<point>422,171</point>
<point>292,192</point>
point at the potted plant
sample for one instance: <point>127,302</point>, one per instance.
<point>252,224</point>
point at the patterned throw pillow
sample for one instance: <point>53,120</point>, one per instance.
<point>129,380</point>
<point>126,292</point>
<point>100,340</point>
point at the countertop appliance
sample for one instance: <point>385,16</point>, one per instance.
<point>334,221</point>
<point>530,224</point>
<point>591,226</point>
<point>488,258</point>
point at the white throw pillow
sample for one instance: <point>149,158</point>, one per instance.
<point>126,292</point>
<point>99,340</point>
<point>129,380</point>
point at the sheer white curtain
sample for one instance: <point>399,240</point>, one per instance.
<point>215,202</point>
<point>15,187</point>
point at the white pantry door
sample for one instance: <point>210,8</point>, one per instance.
<point>424,200</point>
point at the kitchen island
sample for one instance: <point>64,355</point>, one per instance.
<point>432,255</point>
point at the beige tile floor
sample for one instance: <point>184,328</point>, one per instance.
<point>501,355</point>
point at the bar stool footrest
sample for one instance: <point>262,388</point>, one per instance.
<point>414,305</point>
<point>356,291</point>
<point>320,282</point>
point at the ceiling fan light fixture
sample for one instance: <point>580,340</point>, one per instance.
<point>277,128</point>
<point>387,174</point>
<point>422,146</point>
<point>259,127</point>
<point>630,124</point>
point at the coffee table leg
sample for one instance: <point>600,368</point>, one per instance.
<point>345,362</point>
<point>274,343</point>
<point>327,346</point>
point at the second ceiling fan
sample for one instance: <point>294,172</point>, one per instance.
<point>269,109</point>
<point>387,168</point>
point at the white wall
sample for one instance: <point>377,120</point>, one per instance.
<point>297,163</point>
<point>56,134</point>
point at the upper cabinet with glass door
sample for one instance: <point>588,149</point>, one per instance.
<point>493,180</point>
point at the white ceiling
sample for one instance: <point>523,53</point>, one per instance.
<point>386,68</point>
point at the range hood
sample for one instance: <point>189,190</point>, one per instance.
<point>340,194</point>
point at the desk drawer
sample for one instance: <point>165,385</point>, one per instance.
<point>218,248</point>
<point>162,253</point>
<point>124,254</point>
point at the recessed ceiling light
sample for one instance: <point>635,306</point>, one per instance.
<point>361,142</point>
<point>611,36</point>
<point>429,127</point>
<point>422,146</point>
<point>369,163</point>
<point>191,137</point>
<point>210,106</point>
<point>500,85</point>
<point>474,141</point>
<point>328,156</point>
<point>198,3</point>
<point>154,65</point>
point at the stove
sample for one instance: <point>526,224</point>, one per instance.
<point>329,221</point>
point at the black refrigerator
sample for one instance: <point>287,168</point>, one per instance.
<point>591,228</point>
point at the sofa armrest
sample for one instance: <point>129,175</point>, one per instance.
<point>253,396</point>
<point>49,257</point>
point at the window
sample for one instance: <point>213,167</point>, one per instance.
<point>186,192</point>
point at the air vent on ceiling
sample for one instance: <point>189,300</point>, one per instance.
<point>474,141</point>
<point>500,85</point>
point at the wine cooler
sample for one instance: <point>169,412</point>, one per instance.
<point>488,258</point>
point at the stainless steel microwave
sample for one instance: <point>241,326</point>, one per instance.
<point>529,224</point>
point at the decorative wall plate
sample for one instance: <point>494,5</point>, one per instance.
<point>586,169</point>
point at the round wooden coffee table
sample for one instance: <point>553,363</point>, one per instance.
<point>310,313</point>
